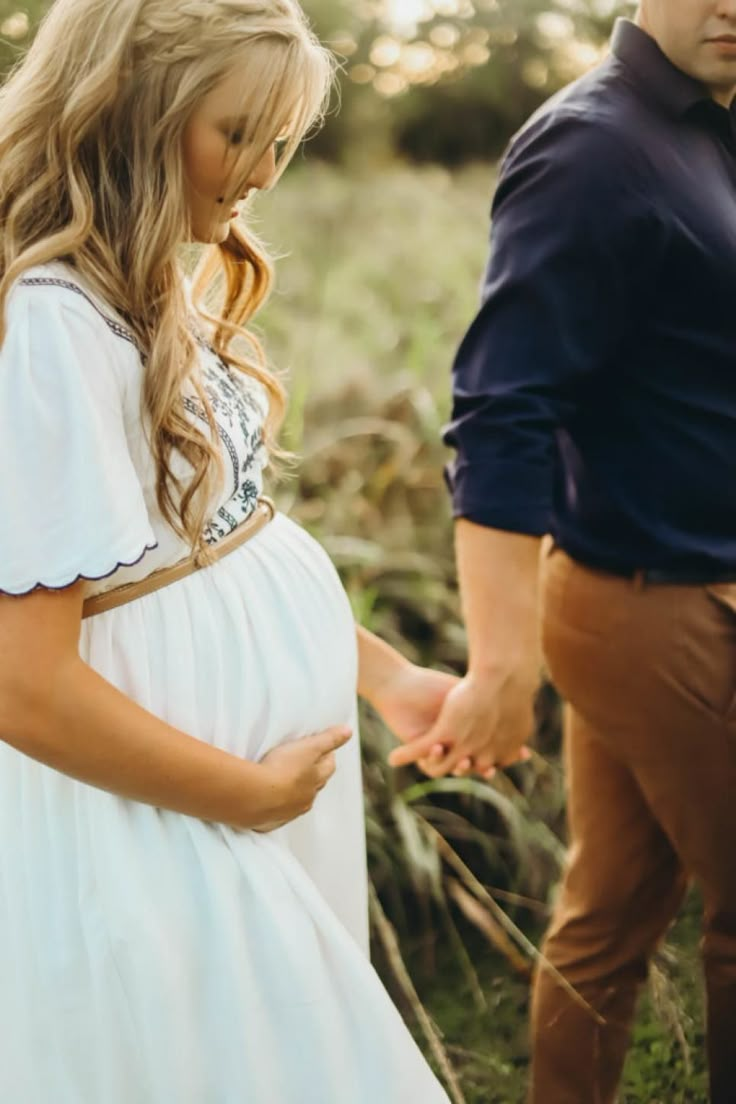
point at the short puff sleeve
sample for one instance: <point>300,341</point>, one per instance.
<point>71,503</point>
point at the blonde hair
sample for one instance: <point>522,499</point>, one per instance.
<point>92,173</point>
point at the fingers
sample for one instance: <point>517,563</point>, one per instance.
<point>488,770</point>
<point>326,768</point>
<point>264,829</point>
<point>413,752</point>
<point>444,761</point>
<point>332,739</point>
<point>452,759</point>
<point>436,753</point>
<point>521,755</point>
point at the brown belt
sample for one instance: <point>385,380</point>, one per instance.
<point>111,599</point>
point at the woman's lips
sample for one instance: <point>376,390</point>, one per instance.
<point>235,211</point>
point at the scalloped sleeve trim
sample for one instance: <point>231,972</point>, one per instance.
<point>47,585</point>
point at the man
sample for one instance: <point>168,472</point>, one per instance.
<point>595,399</point>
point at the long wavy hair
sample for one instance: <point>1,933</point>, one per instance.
<point>91,172</point>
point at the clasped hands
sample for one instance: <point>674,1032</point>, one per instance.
<point>458,726</point>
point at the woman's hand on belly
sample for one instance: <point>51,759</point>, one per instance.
<point>296,772</point>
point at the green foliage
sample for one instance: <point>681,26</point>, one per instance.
<point>452,82</point>
<point>17,24</point>
<point>449,83</point>
<point>378,280</point>
<point>489,1046</point>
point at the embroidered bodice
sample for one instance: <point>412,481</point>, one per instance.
<point>71,376</point>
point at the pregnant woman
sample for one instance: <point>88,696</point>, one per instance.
<point>182,859</point>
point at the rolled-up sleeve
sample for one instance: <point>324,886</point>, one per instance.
<point>572,245</point>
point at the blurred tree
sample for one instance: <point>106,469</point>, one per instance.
<point>17,23</point>
<point>442,80</point>
<point>450,80</point>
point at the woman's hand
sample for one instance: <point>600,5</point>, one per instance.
<point>407,697</point>
<point>294,774</point>
<point>410,700</point>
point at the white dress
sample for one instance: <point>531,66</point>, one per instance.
<point>148,957</point>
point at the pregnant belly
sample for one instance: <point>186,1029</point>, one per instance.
<point>257,649</point>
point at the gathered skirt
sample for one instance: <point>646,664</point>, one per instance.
<point>148,957</point>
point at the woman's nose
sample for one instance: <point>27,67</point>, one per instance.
<point>264,171</point>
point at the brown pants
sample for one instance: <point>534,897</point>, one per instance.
<point>649,673</point>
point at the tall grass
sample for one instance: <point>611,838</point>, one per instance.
<point>378,279</point>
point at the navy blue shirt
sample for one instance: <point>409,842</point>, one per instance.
<point>595,392</point>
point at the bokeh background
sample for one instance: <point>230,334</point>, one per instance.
<point>381,233</point>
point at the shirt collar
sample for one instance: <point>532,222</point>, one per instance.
<point>674,90</point>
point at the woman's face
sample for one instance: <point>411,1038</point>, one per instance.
<point>216,162</point>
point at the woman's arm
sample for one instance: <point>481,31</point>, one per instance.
<point>378,664</point>
<point>58,710</point>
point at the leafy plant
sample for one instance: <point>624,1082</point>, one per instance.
<point>378,281</point>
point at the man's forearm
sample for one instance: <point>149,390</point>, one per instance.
<point>499,586</point>
<point>486,719</point>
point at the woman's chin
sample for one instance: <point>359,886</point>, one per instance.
<point>212,235</point>
<point>222,233</point>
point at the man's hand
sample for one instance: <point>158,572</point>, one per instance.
<point>486,720</point>
<point>484,724</point>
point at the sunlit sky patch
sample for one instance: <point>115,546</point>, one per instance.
<point>404,16</point>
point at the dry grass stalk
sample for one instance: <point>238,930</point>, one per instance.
<point>390,943</point>
<point>668,1006</point>
<point>476,887</point>
<point>466,962</point>
<point>481,918</point>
